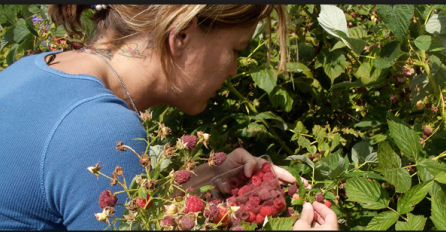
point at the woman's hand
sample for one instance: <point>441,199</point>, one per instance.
<point>326,218</point>
<point>240,157</point>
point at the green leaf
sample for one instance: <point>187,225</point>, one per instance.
<point>142,192</point>
<point>367,74</point>
<point>11,57</point>
<point>438,215</point>
<point>357,32</point>
<point>383,221</point>
<point>387,158</point>
<point>332,160</point>
<point>389,55</point>
<point>405,138</point>
<point>390,167</point>
<point>266,79</point>
<point>334,64</point>
<point>413,223</point>
<point>280,97</point>
<point>279,224</point>
<point>436,24</point>
<point>428,43</point>
<point>357,45</point>
<point>306,54</point>
<point>205,188</point>
<point>338,45</point>
<point>362,190</point>
<point>301,158</point>
<point>428,169</point>
<point>269,115</point>
<point>248,226</point>
<point>299,67</point>
<point>7,38</point>
<point>438,191</point>
<point>441,177</point>
<point>396,17</point>
<point>155,154</point>
<point>360,151</point>
<point>254,130</point>
<point>331,19</point>
<point>60,32</point>
<point>20,31</point>
<point>400,178</point>
<point>413,196</point>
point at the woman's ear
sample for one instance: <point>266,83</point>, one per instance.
<point>178,43</point>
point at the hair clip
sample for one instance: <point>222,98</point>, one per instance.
<point>99,7</point>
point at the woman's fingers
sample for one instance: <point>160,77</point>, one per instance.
<point>306,218</point>
<point>285,177</point>
<point>328,215</point>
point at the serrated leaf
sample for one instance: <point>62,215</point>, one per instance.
<point>438,191</point>
<point>413,196</point>
<point>269,115</point>
<point>357,45</point>
<point>266,79</point>
<point>205,188</point>
<point>254,130</point>
<point>335,142</point>
<point>280,97</point>
<point>400,178</point>
<point>331,19</point>
<point>301,158</point>
<point>360,151</point>
<point>438,215</point>
<point>338,45</point>
<point>60,31</point>
<point>396,17</point>
<point>428,43</point>
<point>299,67</point>
<point>362,190</point>
<point>436,24</point>
<point>441,177</point>
<point>366,74</point>
<point>334,64</point>
<point>329,195</point>
<point>332,161</point>
<point>389,55</point>
<point>405,138</point>
<point>279,224</point>
<point>155,154</point>
<point>387,158</point>
<point>428,169</point>
<point>20,31</point>
<point>11,57</point>
<point>7,38</point>
<point>357,32</point>
<point>383,221</point>
<point>413,223</point>
<point>142,192</point>
<point>248,226</point>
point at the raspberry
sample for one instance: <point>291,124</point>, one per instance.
<point>243,190</point>
<point>243,199</point>
<point>292,190</point>
<point>190,140</point>
<point>242,206</point>
<point>252,216</point>
<point>264,194</point>
<point>266,211</point>
<point>218,158</point>
<point>106,198</point>
<point>76,45</point>
<point>235,221</point>
<point>186,223</point>
<point>234,191</point>
<point>167,221</point>
<point>256,180</point>
<point>266,167</point>
<point>194,204</point>
<point>255,199</point>
<point>259,174</point>
<point>279,204</point>
<point>319,197</point>
<point>290,212</point>
<point>427,130</point>
<point>254,222</point>
<point>328,204</point>
<point>142,202</point>
<point>274,210</point>
<point>234,182</point>
<point>182,176</point>
<point>232,201</point>
<point>260,218</point>
<point>212,213</point>
<point>275,193</point>
<point>237,228</point>
<point>243,214</point>
<point>214,201</point>
<point>268,203</point>
<point>221,216</point>
<point>268,177</point>
<point>256,208</point>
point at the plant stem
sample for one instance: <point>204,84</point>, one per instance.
<point>443,154</point>
<point>398,213</point>
<point>353,55</point>
<point>254,110</point>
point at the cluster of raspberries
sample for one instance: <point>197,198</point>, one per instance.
<point>257,197</point>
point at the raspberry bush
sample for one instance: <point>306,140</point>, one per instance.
<point>360,114</point>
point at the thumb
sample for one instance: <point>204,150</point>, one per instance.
<point>306,218</point>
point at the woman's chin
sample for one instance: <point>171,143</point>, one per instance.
<point>193,110</point>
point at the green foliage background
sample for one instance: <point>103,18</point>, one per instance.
<point>345,98</point>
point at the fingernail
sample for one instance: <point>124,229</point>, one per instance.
<point>306,205</point>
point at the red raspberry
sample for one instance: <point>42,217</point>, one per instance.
<point>190,140</point>
<point>238,228</point>
<point>244,190</point>
<point>328,204</point>
<point>234,182</point>
<point>182,176</point>
<point>142,202</point>
<point>266,211</point>
<point>106,198</point>
<point>319,197</point>
<point>194,204</point>
<point>218,158</point>
<point>274,210</point>
<point>268,203</point>
<point>269,176</point>
<point>186,223</point>
<point>292,190</point>
<point>279,204</point>
<point>290,212</point>
<point>243,214</point>
<point>243,199</point>
<point>256,208</point>
<point>427,130</point>
<point>232,201</point>
<point>255,199</point>
<point>266,167</point>
<point>264,194</point>
<point>234,191</point>
<point>212,213</point>
<point>221,216</point>
<point>260,218</point>
<point>256,180</point>
<point>215,201</point>
<point>167,221</point>
<point>275,193</point>
<point>252,216</point>
<point>235,221</point>
<point>259,174</point>
<point>254,222</point>
<point>242,206</point>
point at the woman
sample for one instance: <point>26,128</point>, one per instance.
<point>64,111</point>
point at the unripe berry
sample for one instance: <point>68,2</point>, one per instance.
<point>319,197</point>
<point>427,130</point>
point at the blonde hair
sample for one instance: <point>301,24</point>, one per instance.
<point>121,22</point>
